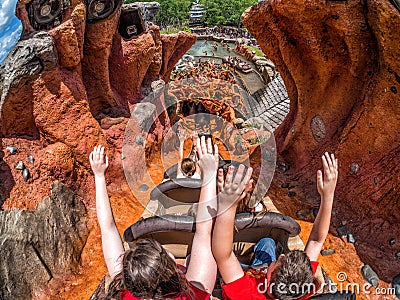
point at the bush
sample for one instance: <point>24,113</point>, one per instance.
<point>218,12</point>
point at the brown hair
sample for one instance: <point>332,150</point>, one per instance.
<point>295,269</point>
<point>150,273</point>
<point>188,167</point>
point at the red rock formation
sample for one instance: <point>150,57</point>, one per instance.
<point>22,14</point>
<point>96,70</point>
<point>69,38</point>
<point>131,58</point>
<point>339,61</point>
<point>54,114</point>
<point>155,66</point>
<point>97,51</point>
<point>173,48</point>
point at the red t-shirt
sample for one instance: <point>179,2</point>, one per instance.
<point>246,288</point>
<point>198,294</point>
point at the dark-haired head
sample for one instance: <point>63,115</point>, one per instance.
<point>293,277</point>
<point>188,167</point>
<point>150,273</point>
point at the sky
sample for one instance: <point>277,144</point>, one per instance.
<point>10,27</point>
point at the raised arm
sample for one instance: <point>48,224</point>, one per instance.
<point>111,241</point>
<point>231,191</point>
<point>202,270</point>
<point>326,185</point>
<point>181,136</point>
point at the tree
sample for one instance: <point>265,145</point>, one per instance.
<point>218,12</point>
<point>171,12</point>
<point>221,12</point>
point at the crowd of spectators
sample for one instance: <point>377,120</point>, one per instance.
<point>224,32</point>
<point>206,68</point>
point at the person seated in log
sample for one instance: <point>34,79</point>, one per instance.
<point>187,167</point>
<point>147,270</point>
<point>290,276</point>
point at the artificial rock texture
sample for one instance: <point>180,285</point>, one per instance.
<point>63,91</point>
<point>339,61</point>
<point>41,245</point>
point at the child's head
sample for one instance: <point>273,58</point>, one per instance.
<point>150,273</point>
<point>188,167</point>
<point>292,276</point>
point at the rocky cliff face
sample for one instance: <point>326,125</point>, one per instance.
<point>69,84</point>
<point>41,245</point>
<point>339,61</point>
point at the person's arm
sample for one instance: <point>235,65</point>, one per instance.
<point>111,241</point>
<point>231,191</point>
<point>194,152</point>
<point>181,136</point>
<point>202,269</point>
<point>326,185</point>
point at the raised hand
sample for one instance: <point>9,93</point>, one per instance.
<point>97,162</point>
<point>326,183</point>
<point>113,248</point>
<point>234,188</point>
<point>208,158</point>
<point>195,136</point>
<point>182,136</point>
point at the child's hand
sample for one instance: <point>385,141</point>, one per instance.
<point>326,184</point>
<point>195,137</point>
<point>208,162</point>
<point>182,136</point>
<point>97,161</point>
<point>234,188</point>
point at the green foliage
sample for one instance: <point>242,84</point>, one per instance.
<point>222,12</point>
<point>258,140</point>
<point>253,125</point>
<point>176,13</point>
<point>186,28</point>
<point>171,13</point>
<point>172,29</point>
<point>258,51</point>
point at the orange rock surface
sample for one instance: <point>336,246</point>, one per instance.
<point>339,61</point>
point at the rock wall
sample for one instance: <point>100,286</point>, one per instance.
<point>41,245</point>
<point>339,61</point>
<point>67,86</point>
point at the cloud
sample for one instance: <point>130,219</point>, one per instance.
<point>7,12</point>
<point>10,27</point>
<point>9,37</point>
